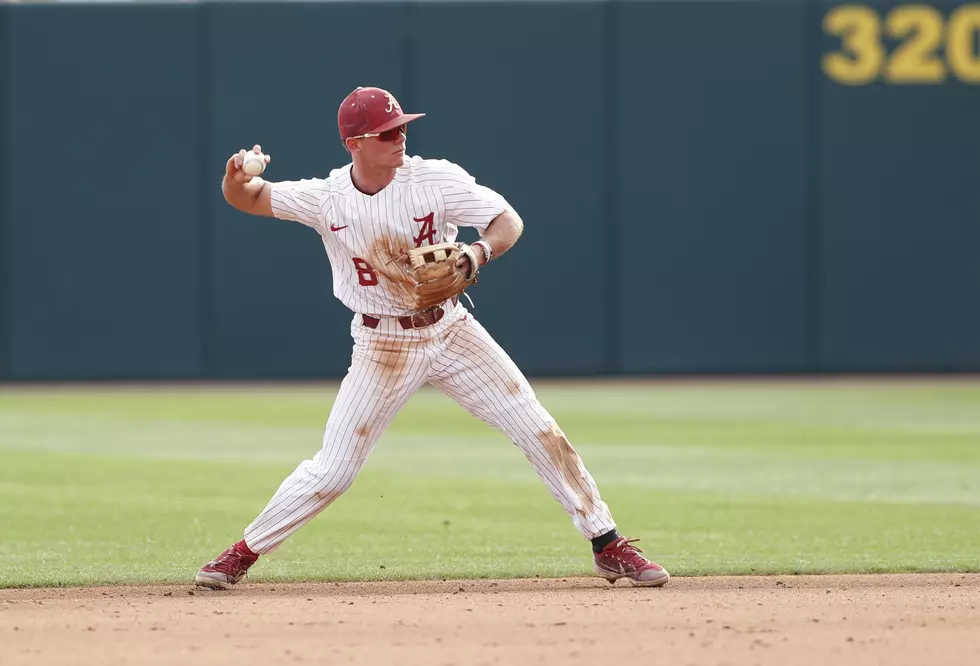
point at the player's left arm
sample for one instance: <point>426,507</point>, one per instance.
<point>501,234</point>
<point>471,204</point>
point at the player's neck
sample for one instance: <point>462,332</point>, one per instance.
<point>371,181</point>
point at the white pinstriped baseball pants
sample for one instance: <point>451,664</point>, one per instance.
<point>388,365</point>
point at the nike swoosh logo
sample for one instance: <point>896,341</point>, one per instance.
<point>333,228</point>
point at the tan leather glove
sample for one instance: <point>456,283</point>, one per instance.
<point>441,271</point>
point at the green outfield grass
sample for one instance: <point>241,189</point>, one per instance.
<point>145,485</point>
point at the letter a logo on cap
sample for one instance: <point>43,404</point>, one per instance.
<point>392,104</point>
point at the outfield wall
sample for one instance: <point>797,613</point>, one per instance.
<point>732,186</point>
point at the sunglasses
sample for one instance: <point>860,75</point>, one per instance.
<point>387,135</point>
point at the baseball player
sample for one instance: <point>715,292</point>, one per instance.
<point>389,223</point>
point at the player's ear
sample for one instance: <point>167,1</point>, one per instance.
<point>351,145</point>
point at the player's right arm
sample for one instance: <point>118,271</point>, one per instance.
<point>304,201</point>
<point>249,194</point>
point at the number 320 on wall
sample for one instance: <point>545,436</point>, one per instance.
<point>920,30</point>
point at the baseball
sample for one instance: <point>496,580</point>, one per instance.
<point>253,163</point>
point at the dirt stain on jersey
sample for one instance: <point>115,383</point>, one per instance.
<point>569,465</point>
<point>363,431</point>
<point>391,262</point>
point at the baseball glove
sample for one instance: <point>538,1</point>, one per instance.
<point>439,272</point>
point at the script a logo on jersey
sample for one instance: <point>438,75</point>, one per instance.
<point>428,230</point>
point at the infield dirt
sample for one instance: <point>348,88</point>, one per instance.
<point>854,620</point>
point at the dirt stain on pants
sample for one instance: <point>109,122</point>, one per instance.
<point>569,466</point>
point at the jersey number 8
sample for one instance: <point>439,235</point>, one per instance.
<point>366,277</point>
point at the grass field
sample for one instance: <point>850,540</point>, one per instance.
<point>142,484</point>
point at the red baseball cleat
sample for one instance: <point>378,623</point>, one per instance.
<point>622,560</point>
<point>226,569</point>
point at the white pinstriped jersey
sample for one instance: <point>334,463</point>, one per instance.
<point>425,204</point>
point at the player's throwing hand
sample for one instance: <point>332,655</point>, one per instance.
<point>244,165</point>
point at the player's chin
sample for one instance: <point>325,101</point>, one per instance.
<point>398,158</point>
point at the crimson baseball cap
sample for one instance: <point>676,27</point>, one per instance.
<point>368,110</point>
